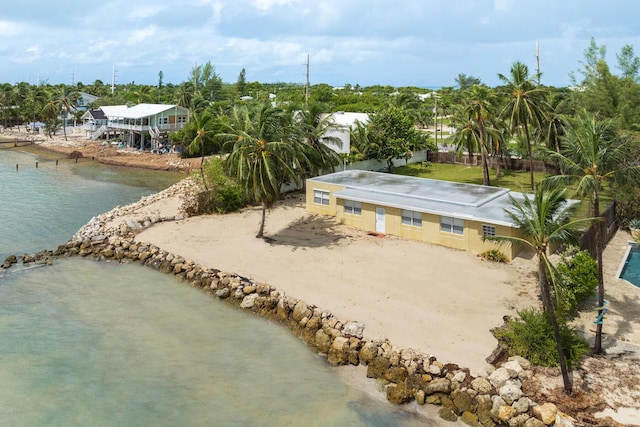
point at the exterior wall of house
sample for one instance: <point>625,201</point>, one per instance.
<point>312,206</point>
<point>429,231</point>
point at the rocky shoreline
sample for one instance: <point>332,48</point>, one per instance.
<point>407,375</point>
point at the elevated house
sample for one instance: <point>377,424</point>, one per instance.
<point>445,213</point>
<point>141,126</point>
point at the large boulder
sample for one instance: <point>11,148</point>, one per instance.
<point>401,393</point>
<point>546,413</point>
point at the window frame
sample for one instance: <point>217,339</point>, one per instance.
<point>449,224</point>
<point>352,207</point>
<point>411,218</point>
<point>320,196</point>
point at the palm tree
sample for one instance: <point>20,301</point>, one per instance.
<point>67,102</point>
<point>473,124</point>
<point>262,159</point>
<point>594,154</point>
<point>203,123</point>
<point>525,105</point>
<point>542,222</point>
<point>479,107</point>
<point>313,125</point>
<point>359,141</point>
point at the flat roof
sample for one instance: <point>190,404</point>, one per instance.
<point>139,111</point>
<point>458,200</point>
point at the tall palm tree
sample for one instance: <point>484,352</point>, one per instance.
<point>313,125</point>
<point>203,123</point>
<point>542,221</point>
<point>525,105</point>
<point>480,107</point>
<point>262,159</point>
<point>67,102</point>
<point>473,124</point>
<point>594,154</point>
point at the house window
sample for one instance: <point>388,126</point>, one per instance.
<point>321,197</point>
<point>488,230</point>
<point>352,207</point>
<point>182,119</point>
<point>451,225</point>
<point>412,218</point>
<point>163,120</point>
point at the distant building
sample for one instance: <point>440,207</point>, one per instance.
<point>343,122</point>
<point>142,125</point>
<point>84,101</point>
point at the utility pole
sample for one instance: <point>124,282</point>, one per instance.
<point>435,116</point>
<point>538,62</point>
<point>306,87</point>
<point>113,79</point>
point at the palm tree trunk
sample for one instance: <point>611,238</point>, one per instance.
<point>549,307</point>
<point>526,132</point>
<point>597,347</point>
<point>486,180</point>
<point>260,234</point>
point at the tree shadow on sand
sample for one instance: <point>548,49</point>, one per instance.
<point>310,231</point>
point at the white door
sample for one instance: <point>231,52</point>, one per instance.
<point>380,220</point>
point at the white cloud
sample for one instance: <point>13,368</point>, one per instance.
<point>265,5</point>
<point>139,36</point>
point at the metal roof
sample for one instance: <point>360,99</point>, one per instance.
<point>138,111</point>
<point>458,200</point>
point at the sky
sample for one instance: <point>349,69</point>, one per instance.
<point>423,43</point>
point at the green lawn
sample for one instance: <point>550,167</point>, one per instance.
<point>514,180</point>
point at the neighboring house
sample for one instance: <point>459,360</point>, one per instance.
<point>84,101</point>
<point>92,120</point>
<point>445,213</point>
<point>139,124</point>
<point>343,122</point>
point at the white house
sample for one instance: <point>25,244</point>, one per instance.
<point>343,122</point>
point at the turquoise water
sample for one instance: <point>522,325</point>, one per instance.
<point>631,269</point>
<point>88,343</point>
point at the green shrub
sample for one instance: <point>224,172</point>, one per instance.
<point>494,255</point>
<point>578,278</point>
<point>223,194</point>
<point>627,203</point>
<point>531,336</point>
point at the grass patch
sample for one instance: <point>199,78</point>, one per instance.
<point>513,180</point>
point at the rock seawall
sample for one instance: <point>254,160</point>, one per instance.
<point>406,374</point>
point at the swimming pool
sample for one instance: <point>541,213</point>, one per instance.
<point>630,270</point>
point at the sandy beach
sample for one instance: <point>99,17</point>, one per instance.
<point>437,300</point>
<point>433,299</point>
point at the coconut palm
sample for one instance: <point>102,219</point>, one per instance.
<point>479,106</point>
<point>313,124</point>
<point>261,159</point>
<point>67,102</point>
<point>544,220</point>
<point>594,153</point>
<point>473,124</point>
<point>525,105</point>
<point>203,123</point>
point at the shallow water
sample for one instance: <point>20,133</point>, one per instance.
<point>89,343</point>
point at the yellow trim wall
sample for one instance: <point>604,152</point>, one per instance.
<point>429,232</point>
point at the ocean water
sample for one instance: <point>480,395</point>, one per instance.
<point>104,344</point>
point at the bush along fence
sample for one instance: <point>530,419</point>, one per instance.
<point>408,375</point>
